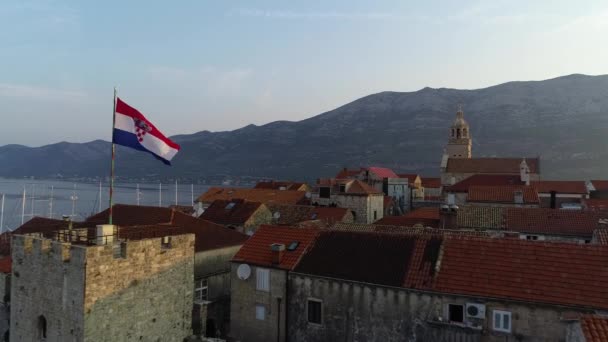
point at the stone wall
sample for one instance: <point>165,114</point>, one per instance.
<point>243,323</point>
<point>362,206</point>
<point>363,312</point>
<point>145,296</point>
<point>260,217</point>
<point>48,284</point>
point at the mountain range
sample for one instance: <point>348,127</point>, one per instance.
<point>563,120</point>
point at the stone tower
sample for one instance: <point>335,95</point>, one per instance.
<point>459,144</point>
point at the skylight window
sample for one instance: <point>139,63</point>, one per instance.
<point>313,216</point>
<point>293,245</point>
<point>230,205</point>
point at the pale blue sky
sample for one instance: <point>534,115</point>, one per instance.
<point>220,65</point>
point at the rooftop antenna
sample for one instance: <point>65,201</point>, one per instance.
<point>33,198</point>
<point>73,198</point>
<point>23,207</point>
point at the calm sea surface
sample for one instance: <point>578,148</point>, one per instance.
<point>51,198</point>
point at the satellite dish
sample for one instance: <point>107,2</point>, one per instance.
<point>243,271</point>
<point>276,215</point>
<point>308,194</point>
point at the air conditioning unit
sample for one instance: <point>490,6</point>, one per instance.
<point>476,310</point>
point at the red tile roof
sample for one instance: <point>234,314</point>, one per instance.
<point>485,180</point>
<point>595,328</point>
<point>358,187</point>
<point>411,177</point>
<point>386,259</point>
<point>490,165</point>
<point>129,215</point>
<point>431,182</point>
<point>424,212</point>
<point>600,185</point>
<point>561,187</point>
<point>405,221</point>
<point>596,204</point>
<point>234,212</point>
<point>293,214</point>
<point>551,221</point>
<point>278,185</point>
<point>553,273</point>
<point>257,251</point>
<point>254,195</point>
<point>382,172</point>
<point>346,173</point>
<point>502,194</point>
<point>600,236</point>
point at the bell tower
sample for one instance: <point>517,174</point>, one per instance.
<point>459,143</point>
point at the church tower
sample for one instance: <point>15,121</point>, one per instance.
<point>459,144</point>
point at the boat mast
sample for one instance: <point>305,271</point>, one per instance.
<point>192,194</point>
<point>160,194</point>
<point>23,207</point>
<point>176,192</point>
<point>51,202</point>
<point>99,208</point>
<point>137,193</point>
<point>74,198</point>
<point>2,214</point>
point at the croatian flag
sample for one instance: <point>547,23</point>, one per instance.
<point>133,130</point>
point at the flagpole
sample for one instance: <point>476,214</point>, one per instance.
<point>113,153</point>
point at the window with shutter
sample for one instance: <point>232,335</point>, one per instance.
<point>263,279</point>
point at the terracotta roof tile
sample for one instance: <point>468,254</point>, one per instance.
<point>480,217</point>
<point>293,214</point>
<point>551,221</point>
<point>235,212</point>
<point>552,273</point>
<point>490,165</point>
<point>386,259</point>
<point>561,187</point>
<point>278,185</point>
<point>128,215</point>
<point>596,204</point>
<point>257,249</point>
<point>424,212</point>
<point>382,172</point>
<point>253,195</point>
<point>600,236</point>
<point>431,182</point>
<point>595,328</point>
<point>359,187</point>
<point>383,228</point>
<point>502,194</point>
<point>600,185</point>
<point>346,173</point>
<point>485,180</point>
<point>405,221</point>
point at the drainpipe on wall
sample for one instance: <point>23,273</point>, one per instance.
<point>286,306</point>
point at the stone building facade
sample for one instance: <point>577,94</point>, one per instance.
<point>365,202</point>
<point>354,311</point>
<point>138,290</point>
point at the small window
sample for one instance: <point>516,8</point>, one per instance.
<point>165,242</point>
<point>375,215</point>
<point>230,205</point>
<point>456,313</point>
<point>342,188</point>
<point>324,192</point>
<point>260,312</point>
<point>531,237</point>
<point>201,290</point>
<point>314,311</point>
<point>502,321</point>
<point>293,245</point>
<point>41,327</point>
<point>262,279</point>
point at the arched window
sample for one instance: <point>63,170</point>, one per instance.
<point>41,327</point>
<point>464,132</point>
<point>458,133</point>
<point>453,134</point>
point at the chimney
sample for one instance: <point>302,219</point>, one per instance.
<point>553,199</point>
<point>448,216</point>
<point>518,197</point>
<point>277,249</point>
<point>105,234</point>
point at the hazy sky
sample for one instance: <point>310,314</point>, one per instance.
<point>220,65</point>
